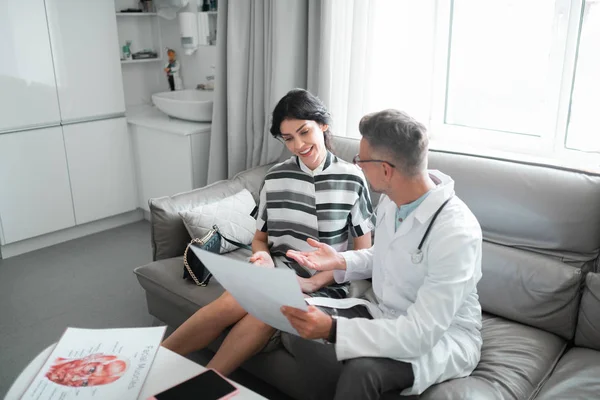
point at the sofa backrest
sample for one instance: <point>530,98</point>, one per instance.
<point>541,228</point>
<point>546,210</point>
<point>588,325</point>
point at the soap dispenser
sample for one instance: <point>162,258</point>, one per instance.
<point>188,27</point>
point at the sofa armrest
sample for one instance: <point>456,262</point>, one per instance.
<point>168,234</point>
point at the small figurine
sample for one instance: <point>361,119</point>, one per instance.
<point>172,70</point>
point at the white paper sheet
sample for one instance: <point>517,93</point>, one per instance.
<point>97,364</point>
<point>261,291</point>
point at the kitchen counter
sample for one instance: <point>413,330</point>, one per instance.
<point>150,117</point>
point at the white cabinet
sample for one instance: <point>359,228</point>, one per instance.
<point>27,85</point>
<point>35,197</point>
<point>85,50</point>
<point>100,163</point>
<point>171,155</point>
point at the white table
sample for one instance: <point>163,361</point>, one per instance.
<point>167,370</point>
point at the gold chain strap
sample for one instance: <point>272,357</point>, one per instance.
<point>185,262</point>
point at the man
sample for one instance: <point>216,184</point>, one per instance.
<point>424,327</point>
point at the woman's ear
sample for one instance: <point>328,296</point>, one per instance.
<point>324,127</point>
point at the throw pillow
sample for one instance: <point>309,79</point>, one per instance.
<point>231,215</point>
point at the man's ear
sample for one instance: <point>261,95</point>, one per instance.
<point>387,169</point>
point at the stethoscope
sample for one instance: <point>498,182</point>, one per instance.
<point>417,256</point>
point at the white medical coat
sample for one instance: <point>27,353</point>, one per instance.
<point>428,314</point>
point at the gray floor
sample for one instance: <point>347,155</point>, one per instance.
<point>86,283</point>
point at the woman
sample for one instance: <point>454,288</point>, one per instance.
<point>315,195</point>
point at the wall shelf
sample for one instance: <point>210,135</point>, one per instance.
<point>143,30</point>
<point>143,60</point>
<point>136,14</point>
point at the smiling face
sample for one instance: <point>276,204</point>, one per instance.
<point>305,139</point>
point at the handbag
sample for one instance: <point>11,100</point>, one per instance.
<point>193,267</point>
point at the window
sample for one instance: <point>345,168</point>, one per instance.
<point>488,76</point>
<point>502,71</point>
<point>519,76</point>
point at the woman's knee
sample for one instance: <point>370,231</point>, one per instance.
<point>225,309</point>
<point>255,325</point>
<point>227,303</point>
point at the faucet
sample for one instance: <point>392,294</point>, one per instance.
<point>210,84</point>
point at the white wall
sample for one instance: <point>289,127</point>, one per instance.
<point>140,81</point>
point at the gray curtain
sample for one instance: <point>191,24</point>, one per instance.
<point>262,52</point>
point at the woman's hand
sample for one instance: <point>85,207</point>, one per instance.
<point>307,285</point>
<point>324,258</point>
<point>263,259</point>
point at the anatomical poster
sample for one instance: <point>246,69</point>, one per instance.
<point>97,364</point>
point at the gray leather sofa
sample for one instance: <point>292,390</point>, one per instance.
<point>541,299</point>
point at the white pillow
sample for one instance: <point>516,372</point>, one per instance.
<point>231,215</point>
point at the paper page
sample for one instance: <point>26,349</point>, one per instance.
<point>97,364</point>
<point>261,291</point>
<point>346,303</point>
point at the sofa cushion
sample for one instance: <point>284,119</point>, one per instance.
<point>530,288</point>
<point>588,325</point>
<point>576,377</point>
<point>515,361</point>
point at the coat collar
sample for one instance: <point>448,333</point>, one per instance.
<point>437,196</point>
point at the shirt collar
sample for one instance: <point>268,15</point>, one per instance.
<point>322,167</point>
<point>404,210</point>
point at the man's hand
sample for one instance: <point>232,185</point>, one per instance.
<point>324,258</point>
<point>263,259</point>
<point>311,324</point>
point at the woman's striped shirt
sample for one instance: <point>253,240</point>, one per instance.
<point>325,204</point>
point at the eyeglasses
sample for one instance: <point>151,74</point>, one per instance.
<point>356,161</point>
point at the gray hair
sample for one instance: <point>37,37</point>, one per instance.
<point>399,136</point>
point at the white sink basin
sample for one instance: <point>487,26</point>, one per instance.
<point>191,104</point>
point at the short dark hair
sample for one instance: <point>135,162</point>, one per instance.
<point>301,104</point>
<point>399,136</point>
